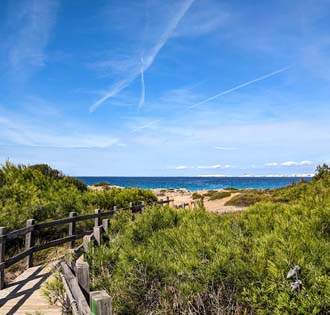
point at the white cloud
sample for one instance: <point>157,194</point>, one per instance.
<point>183,167</point>
<point>209,166</point>
<point>289,163</point>
<point>216,166</point>
<point>292,163</point>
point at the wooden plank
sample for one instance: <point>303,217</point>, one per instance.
<point>3,231</point>
<point>160,202</point>
<point>20,232</point>
<point>74,219</point>
<point>40,247</point>
<point>60,241</point>
<point>23,295</point>
<point>14,234</point>
<point>15,258</point>
<point>75,289</point>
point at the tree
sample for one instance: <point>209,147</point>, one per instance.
<point>322,172</point>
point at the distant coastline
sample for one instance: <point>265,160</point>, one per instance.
<point>257,176</point>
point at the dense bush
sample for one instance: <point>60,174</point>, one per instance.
<point>171,261</point>
<point>196,196</point>
<point>102,184</point>
<point>248,198</point>
<point>215,195</point>
<point>43,193</point>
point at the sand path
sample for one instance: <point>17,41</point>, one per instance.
<point>218,206</point>
<point>181,196</point>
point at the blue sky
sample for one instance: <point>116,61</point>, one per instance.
<point>165,87</point>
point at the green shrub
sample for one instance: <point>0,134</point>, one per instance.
<point>43,193</point>
<point>196,195</point>
<point>249,198</point>
<point>171,261</point>
<point>230,189</point>
<point>101,184</point>
<point>215,195</point>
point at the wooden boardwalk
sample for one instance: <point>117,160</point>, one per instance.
<point>23,295</point>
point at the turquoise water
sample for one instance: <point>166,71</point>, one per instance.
<point>195,183</point>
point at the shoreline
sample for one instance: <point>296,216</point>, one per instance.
<point>184,196</point>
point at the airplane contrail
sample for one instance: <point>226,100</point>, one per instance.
<point>119,86</point>
<point>241,86</point>
<point>143,91</point>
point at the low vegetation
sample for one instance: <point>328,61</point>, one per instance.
<point>102,184</point>
<point>215,195</point>
<point>172,261</point>
<point>176,261</point>
<point>249,197</point>
<point>196,196</point>
<point>211,195</point>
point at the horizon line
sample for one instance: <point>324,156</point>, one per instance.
<point>209,175</point>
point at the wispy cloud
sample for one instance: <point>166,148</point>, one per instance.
<point>240,86</point>
<point>289,163</point>
<point>143,91</point>
<point>30,24</point>
<point>216,166</point>
<point>147,125</point>
<point>21,132</point>
<point>227,148</point>
<point>207,17</point>
<point>148,59</point>
<point>183,167</point>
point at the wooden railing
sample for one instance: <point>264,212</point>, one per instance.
<point>32,227</point>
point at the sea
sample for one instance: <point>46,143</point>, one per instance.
<point>195,183</point>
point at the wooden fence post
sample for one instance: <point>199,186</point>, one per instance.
<point>130,206</point>
<point>86,242</point>
<point>82,274</point>
<point>72,229</point>
<point>97,231</point>
<point>105,224</point>
<point>168,200</point>
<point>100,303</point>
<point>142,205</point>
<point>29,242</point>
<point>3,232</point>
<point>97,221</point>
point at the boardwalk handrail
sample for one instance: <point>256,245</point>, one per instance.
<point>31,248</point>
